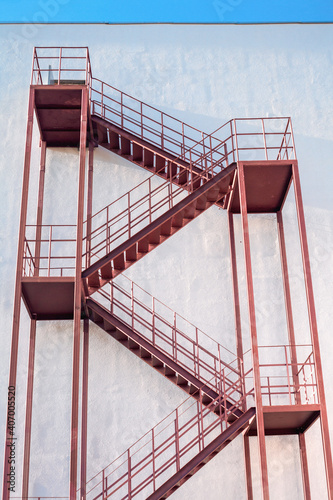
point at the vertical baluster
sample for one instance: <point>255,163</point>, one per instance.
<point>288,378</point>
<point>49,256</point>
<point>177,441</point>
<point>121,111</point>
<point>211,155</point>
<point>132,303</point>
<point>197,349</point>
<point>150,204</point>
<point>224,399</point>
<point>162,132</point>
<point>153,455</point>
<point>269,392</point>
<point>103,483</point>
<point>141,110</point>
<point>129,213</point>
<point>174,336</point>
<point>129,477</point>
<point>201,421</point>
<point>102,103</point>
<point>107,230</point>
<point>199,427</point>
<point>264,136</point>
<point>153,319</point>
<point>59,71</point>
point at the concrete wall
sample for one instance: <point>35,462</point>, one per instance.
<point>203,75</point>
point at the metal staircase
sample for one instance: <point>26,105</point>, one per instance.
<point>76,272</point>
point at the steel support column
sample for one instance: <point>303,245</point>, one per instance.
<point>77,299</point>
<point>18,289</point>
<point>28,414</point>
<point>39,217</point>
<point>253,331</point>
<point>84,419</point>
<point>314,331</point>
<point>304,465</point>
<point>293,353</point>
<point>247,458</point>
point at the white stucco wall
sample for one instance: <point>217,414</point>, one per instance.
<point>203,75</point>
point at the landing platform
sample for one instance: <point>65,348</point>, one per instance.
<point>283,419</point>
<point>266,183</point>
<point>58,111</point>
<point>49,298</point>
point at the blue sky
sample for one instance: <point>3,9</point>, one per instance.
<point>209,11</point>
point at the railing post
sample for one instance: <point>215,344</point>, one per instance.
<point>141,110</point>
<point>111,297</point>
<point>174,340</point>
<point>191,172</point>
<point>129,213</point>
<point>149,184</point>
<point>162,132</point>
<point>153,455</point>
<point>264,136</point>
<point>60,54</point>
<point>197,349</point>
<point>236,140</point>
<point>121,111</point>
<point>288,378</point>
<point>129,478</point>
<point>153,319</point>
<point>132,303</point>
<point>177,441</point>
<point>102,104</point>
<point>49,255</point>
<point>103,483</point>
<point>107,231</point>
<point>226,154</point>
<point>201,420</point>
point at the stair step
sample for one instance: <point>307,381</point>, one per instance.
<point>125,147</point>
<point>169,372</point>
<point>154,237</point>
<point>159,164</point>
<point>108,327</point>
<point>137,152</point>
<point>181,380</point>
<point>133,345</point>
<point>93,280</point>
<point>183,176</point>
<point>119,262</point>
<point>120,336</point>
<point>131,253</point>
<point>106,271</point>
<point>172,169</point>
<point>102,135</point>
<point>177,219</point>
<point>166,228</point>
<point>157,362</point>
<point>113,140</point>
<point>143,245</point>
<point>144,353</point>
<point>190,212</point>
<point>148,159</point>
<point>201,203</point>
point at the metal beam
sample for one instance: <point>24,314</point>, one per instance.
<point>314,331</point>
<point>253,331</point>
<point>18,285</point>
<point>77,299</point>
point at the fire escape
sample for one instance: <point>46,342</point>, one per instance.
<point>247,166</point>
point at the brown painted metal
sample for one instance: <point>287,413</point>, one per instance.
<point>28,414</point>
<point>239,340</point>
<point>17,297</point>
<point>314,331</point>
<point>77,299</point>
<point>292,342</point>
<point>39,217</point>
<point>253,330</point>
<point>248,472</point>
<point>183,156</point>
<point>201,457</point>
<point>84,419</point>
<point>304,466</point>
